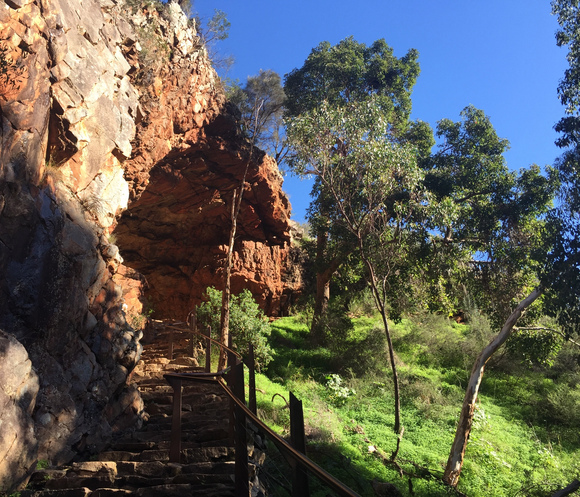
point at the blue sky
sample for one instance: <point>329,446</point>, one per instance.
<point>498,55</point>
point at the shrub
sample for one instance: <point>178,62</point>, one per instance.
<point>360,348</point>
<point>248,325</point>
<point>535,348</point>
<point>337,392</point>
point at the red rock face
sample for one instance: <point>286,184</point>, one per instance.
<point>176,230</point>
<point>188,159</point>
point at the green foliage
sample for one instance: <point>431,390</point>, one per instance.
<point>350,344</point>
<point>261,104</point>
<point>154,54</point>
<point>562,276</point>
<point>535,347</point>
<point>351,72</point>
<point>344,81</point>
<point>136,5</point>
<point>370,199</point>
<point>248,325</point>
<point>489,222</point>
<point>139,321</point>
<point>217,28</point>
<point>524,441</point>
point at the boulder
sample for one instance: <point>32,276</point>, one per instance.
<point>18,390</point>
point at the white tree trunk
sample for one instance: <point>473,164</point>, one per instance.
<point>455,461</point>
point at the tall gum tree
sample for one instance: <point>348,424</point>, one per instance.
<point>374,184</point>
<point>500,219</point>
<point>260,103</point>
<point>563,296</point>
<point>339,75</point>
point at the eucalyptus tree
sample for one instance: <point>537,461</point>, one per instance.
<point>496,219</point>
<point>261,104</point>
<point>341,75</point>
<point>373,185</point>
<point>497,214</point>
<point>563,295</point>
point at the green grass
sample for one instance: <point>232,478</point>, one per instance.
<point>518,445</point>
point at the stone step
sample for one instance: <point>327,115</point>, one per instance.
<point>71,482</point>
<point>187,490</point>
<point>132,445</point>
<point>137,463</point>
<point>68,492</point>
<point>111,492</point>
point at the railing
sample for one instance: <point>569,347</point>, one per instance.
<point>208,348</point>
<point>231,380</point>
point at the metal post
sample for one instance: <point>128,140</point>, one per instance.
<point>252,377</point>
<point>175,445</point>
<point>241,442</point>
<point>298,441</point>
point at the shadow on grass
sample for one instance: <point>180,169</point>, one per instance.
<point>295,356</point>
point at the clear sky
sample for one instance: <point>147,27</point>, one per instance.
<point>498,55</point>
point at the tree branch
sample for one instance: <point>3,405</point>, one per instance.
<point>552,330</point>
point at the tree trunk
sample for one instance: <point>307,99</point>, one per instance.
<point>323,277</point>
<point>225,313</point>
<point>320,306</point>
<point>456,456</point>
<point>397,426</point>
<point>322,289</point>
<point>380,304</point>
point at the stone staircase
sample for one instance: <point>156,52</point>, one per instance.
<point>137,463</point>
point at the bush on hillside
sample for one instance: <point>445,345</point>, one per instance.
<point>247,324</point>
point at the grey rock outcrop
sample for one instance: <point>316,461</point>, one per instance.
<point>18,391</point>
<point>67,124</point>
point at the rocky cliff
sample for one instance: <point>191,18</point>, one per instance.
<point>118,160</point>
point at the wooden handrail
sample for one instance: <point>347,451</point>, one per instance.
<point>200,334</point>
<point>250,361</point>
<point>280,443</point>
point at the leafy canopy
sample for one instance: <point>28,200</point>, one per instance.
<point>349,72</point>
<point>490,222</point>
<point>261,104</point>
<point>563,274</point>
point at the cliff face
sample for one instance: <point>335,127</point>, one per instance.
<point>115,128</point>
<point>187,161</point>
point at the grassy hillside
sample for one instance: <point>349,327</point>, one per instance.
<point>526,437</point>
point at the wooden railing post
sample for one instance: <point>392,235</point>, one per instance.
<point>241,442</point>
<point>252,378</point>
<point>298,441</point>
<point>175,444</point>
<point>208,350</point>
<point>230,378</point>
<point>193,326</point>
